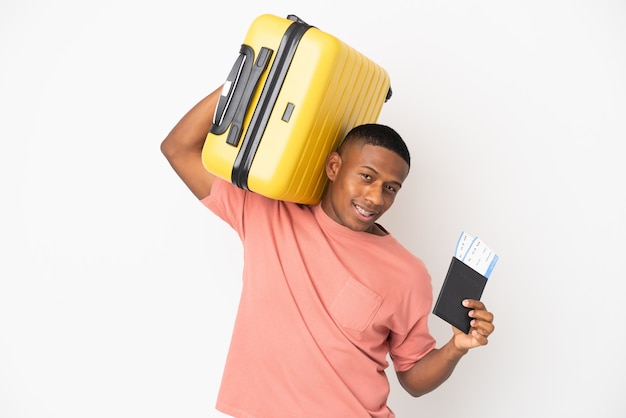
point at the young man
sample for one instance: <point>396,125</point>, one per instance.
<point>327,291</point>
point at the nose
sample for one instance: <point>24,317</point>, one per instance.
<point>374,195</point>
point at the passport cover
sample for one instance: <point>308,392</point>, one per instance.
<point>461,282</point>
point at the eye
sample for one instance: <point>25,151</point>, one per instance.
<point>391,188</point>
<point>366,177</point>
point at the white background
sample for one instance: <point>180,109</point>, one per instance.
<point>118,290</point>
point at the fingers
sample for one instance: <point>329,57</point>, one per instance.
<point>474,304</point>
<point>481,329</point>
<point>482,320</point>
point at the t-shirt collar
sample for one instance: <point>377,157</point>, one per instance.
<point>331,225</point>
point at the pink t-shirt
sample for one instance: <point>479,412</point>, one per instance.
<point>320,309</point>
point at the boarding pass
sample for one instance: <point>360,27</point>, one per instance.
<point>475,254</point>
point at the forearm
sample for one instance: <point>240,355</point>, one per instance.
<point>183,145</point>
<point>190,132</point>
<point>432,370</point>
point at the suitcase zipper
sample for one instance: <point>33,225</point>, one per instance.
<point>273,84</point>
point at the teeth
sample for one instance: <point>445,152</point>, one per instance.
<point>363,211</point>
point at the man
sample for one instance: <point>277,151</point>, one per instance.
<point>327,291</point>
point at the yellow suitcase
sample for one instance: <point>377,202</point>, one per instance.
<point>292,95</point>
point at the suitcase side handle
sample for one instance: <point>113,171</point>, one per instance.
<point>237,92</point>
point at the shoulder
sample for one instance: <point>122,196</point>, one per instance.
<point>409,268</point>
<point>229,200</point>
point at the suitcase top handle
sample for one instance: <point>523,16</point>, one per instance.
<point>296,19</point>
<point>240,85</point>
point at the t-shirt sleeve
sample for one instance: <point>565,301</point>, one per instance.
<point>406,350</point>
<point>408,345</point>
<point>227,201</point>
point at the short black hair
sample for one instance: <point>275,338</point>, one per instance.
<point>381,136</point>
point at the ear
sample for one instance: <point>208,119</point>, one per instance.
<point>333,163</point>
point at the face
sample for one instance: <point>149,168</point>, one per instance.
<point>364,181</point>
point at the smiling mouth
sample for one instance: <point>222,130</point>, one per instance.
<point>363,212</point>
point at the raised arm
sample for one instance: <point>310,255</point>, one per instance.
<point>183,145</point>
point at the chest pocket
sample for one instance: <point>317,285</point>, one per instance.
<point>355,306</point>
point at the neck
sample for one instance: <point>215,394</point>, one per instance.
<point>377,230</point>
